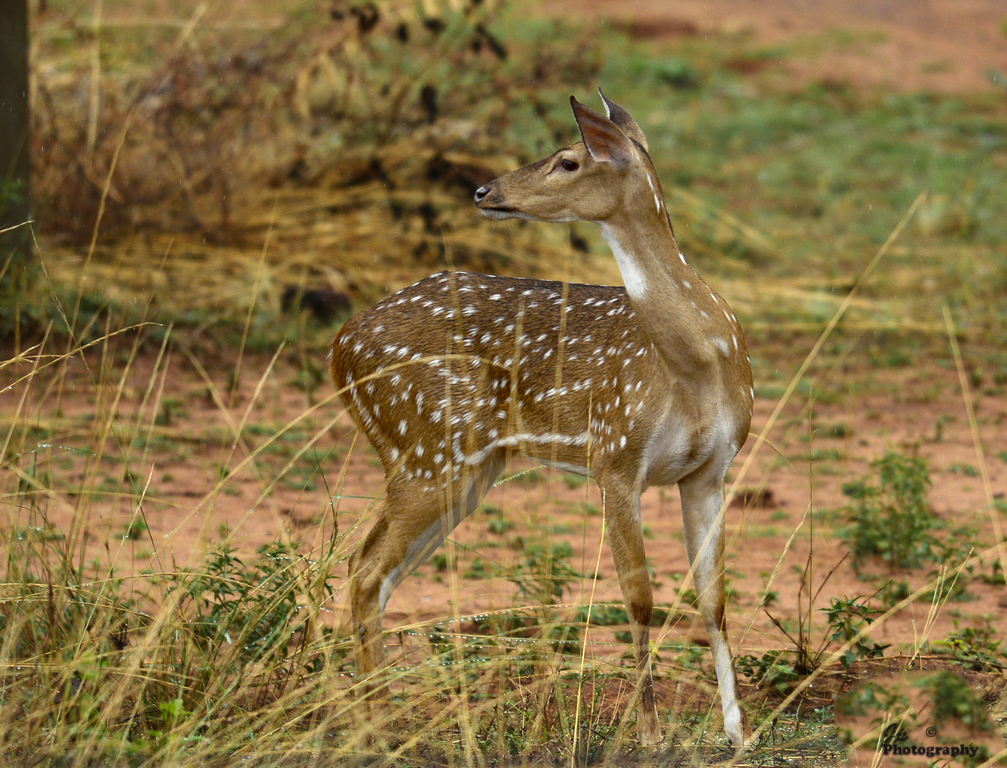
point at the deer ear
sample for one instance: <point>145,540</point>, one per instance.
<point>604,139</point>
<point>622,118</point>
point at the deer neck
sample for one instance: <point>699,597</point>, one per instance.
<point>694,332</point>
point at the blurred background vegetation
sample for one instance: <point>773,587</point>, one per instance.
<point>193,162</point>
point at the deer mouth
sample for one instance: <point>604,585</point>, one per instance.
<point>497,211</point>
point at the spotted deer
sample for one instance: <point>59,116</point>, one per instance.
<point>645,385</point>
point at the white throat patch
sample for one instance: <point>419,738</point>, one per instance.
<point>632,273</point>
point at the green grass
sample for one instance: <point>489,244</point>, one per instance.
<point>798,163</point>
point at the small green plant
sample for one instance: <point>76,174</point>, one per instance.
<point>624,636</point>
<point>440,562</point>
<point>443,647</point>
<point>477,569</point>
<point>254,607</point>
<point>770,669</point>
<point>529,478</point>
<point>602,615</point>
<point>954,699</point>
<point>309,376</point>
<point>171,407</point>
<point>136,528</point>
<point>894,592</point>
<point>688,596</point>
<point>847,619</point>
<point>693,657</point>
<point>892,520</point>
<point>677,72</point>
<point>961,468</point>
<point>840,430</point>
<point>769,597</point>
<point>499,525</point>
<point>826,454</point>
<point>870,697</point>
<point>939,428</point>
<point>540,580</point>
<point>608,615</point>
<point>995,576</point>
<point>545,573</point>
<point>977,648</point>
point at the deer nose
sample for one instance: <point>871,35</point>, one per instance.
<point>481,193</point>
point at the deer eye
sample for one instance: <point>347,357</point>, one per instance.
<point>569,165</point>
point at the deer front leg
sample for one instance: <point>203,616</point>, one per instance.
<point>702,502</point>
<point>625,534</point>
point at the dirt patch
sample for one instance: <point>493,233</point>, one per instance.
<point>947,47</point>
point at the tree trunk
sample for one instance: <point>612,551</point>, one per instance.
<point>15,168</point>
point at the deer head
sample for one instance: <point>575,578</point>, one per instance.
<point>597,179</point>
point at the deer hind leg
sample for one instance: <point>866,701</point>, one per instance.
<point>702,502</point>
<point>625,534</point>
<point>411,523</point>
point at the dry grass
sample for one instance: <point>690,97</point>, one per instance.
<point>234,661</point>
<point>306,149</point>
<point>189,187</point>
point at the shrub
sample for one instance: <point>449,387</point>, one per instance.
<point>892,519</point>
